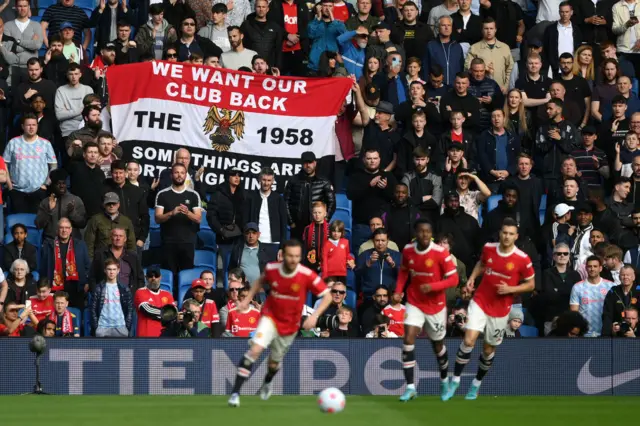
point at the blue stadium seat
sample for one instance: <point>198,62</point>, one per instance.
<point>35,275</point>
<point>208,238</point>
<point>480,214</point>
<point>351,279</point>
<point>155,240</point>
<point>205,259</point>
<point>134,323</point>
<point>351,299</point>
<point>543,208</point>
<point>27,219</point>
<point>152,222</point>
<point>528,331</point>
<point>342,202</point>
<point>309,301</point>
<point>185,279</point>
<point>634,87</point>
<point>166,279</point>
<point>226,258</point>
<point>492,202</point>
<point>34,236</point>
<point>344,216</point>
<point>78,314</point>
<point>203,222</point>
<point>86,328</point>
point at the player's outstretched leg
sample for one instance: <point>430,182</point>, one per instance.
<point>408,367</point>
<point>443,365</point>
<point>463,356</point>
<point>265,389</point>
<point>486,360</point>
<point>244,371</point>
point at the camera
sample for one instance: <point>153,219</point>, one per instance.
<point>172,325</point>
<point>460,319</point>
<point>624,327</point>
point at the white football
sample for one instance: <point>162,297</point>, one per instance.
<point>331,400</point>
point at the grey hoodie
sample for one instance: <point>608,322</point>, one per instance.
<point>219,37</point>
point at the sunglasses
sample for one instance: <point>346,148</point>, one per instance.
<point>189,24</point>
<point>562,253</point>
<point>153,275</point>
<point>235,288</point>
<point>172,55</point>
<point>338,292</point>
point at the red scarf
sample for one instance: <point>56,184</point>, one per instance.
<point>67,321</point>
<point>314,242</point>
<point>70,267</point>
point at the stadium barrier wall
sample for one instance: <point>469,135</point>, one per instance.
<point>357,366</point>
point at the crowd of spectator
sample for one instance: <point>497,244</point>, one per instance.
<point>462,112</point>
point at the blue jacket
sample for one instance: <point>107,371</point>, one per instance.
<point>486,146</point>
<point>352,55</point>
<point>97,303</point>
<point>448,55</point>
<point>380,273</point>
<point>83,263</point>
<point>323,37</point>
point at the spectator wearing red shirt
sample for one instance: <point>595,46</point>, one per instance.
<point>242,323</point>
<point>336,254</point>
<point>42,302</point>
<point>13,324</point>
<point>148,301</point>
<point>209,313</point>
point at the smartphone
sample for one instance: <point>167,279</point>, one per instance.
<point>485,94</point>
<point>395,61</point>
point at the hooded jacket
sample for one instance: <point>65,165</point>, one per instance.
<point>323,37</point>
<point>145,40</point>
<point>68,206</point>
<point>379,273</point>
<point>352,54</point>
<point>421,184</point>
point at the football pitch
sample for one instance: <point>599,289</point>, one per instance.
<point>303,411</point>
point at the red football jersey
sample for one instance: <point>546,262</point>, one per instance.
<point>340,12</point>
<point>510,268</point>
<point>242,324</point>
<point>148,327</point>
<point>288,295</point>
<point>41,308</point>
<point>435,267</point>
<point>209,313</point>
<point>396,315</point>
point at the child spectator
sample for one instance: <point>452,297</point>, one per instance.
<point>336,256</point>
<point>345,325</point>
<point>395,312</point>
<point>242,323</point>
<point>515,321</point>
<point>67,324</point>
<point>315,235</point>
<point>42,302</point>
<point>381,329</point>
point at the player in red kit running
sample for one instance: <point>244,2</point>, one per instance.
<point>288,283</point>
<point>506,270</point>
<point>430,271</point>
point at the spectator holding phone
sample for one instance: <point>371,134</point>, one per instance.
<point>625,26</point>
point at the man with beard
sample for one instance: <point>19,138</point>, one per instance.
<point>507,207</point>
<point>55,64</point>
<point>368,314</point>
<point>238,56</point>
<point>179,214</point>
<point>60,203</point>
<point>425,186</point>
<point>148,302</point>
<point>302,191</point>
<point>36,84</point>
<point>463,227</point>
<point>89,133</point>
<point>268,209</point>
<point>577,88</point>
<point>400,217</point>
<point>133,203</point>
<point>95,76</point>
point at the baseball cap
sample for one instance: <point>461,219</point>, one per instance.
<point>589,129</point>
<point>455,145</point>
<point>382,26</point>
<point>308,157</point>
<point>251,226</point>
<point>198,283</point>
<point>110,197</point>
<point>109,46</point>
<point>234,170</point>
<point>65,25</point>
<point>562,209</point>
<point>535,42</point>
<point>153,271</point>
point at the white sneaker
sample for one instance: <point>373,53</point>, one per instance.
<point>234,400</point>
<point>265,391</point>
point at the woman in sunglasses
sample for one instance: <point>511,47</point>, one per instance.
<point>557,282</point>
<point>171,54</point>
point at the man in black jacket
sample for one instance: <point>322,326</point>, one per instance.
<point>293,26</point>
<point>469,33</point>
<point>117,250</point>
<point>463,227</point>
<point>87,178</point>
<point>272,218</point>
<point>105,16</point>
<point>618,299</point>
<point>461,100</point>
<point>224,212</point>
<point>262,35</point>
<point>190,42</point>
<point>550,42</point>
<point>411,33</point>
<point>401,216</point>
<point>302,191</point>
<point>595,20</point>
<point>126,49</point>
<point>133,203</point>
<point>55,63</point>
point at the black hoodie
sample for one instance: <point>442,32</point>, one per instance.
<point>369,201</point>
<point>225,209</point>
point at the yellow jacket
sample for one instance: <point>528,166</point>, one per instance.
<point>500,56</point>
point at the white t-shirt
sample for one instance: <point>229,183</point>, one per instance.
<point>22,25</point>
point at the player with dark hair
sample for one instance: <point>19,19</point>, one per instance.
<point>427,271</point>
<point>289,282</point>
<point>506,270</point>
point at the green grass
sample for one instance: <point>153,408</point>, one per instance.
<point>303,411</point>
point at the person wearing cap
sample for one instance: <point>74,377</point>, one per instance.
<point>591,161</point>
<point>384,44</point>
<point>66,11</point>
<point>65,263</point>
<point>98,232</point>
<point>444,51</point>
<point>411,33</point>
<point>453,162</point>
<point>225,211</point>
<point>209,312</point>
<point>323,33</point>
<point>561,37</point>
<point>250,254</point>
<point>561,231</point>
<point>71,49</point>
<point>459,99</point>
<point>60,203</point>
<point>148,301</point>
<point>353,45</point>
<point>303,190</point>
<point>463,227</point>
<point>105,18</point>
<point>131,273</point>
<point>516,317</point>
<point>495,53</point>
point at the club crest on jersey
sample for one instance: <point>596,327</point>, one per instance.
<point>490,260</point>
<point>429,263</point>
<point>295,287</point>
<point>604,291</point>
<point>509,266</point>
<point>252,320</point>
<point>165,300</point>
<point>411,262</point>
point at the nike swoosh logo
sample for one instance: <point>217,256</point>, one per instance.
<point>591,385</point>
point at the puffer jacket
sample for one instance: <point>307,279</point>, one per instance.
<point>301,191</point>
<point>145,40</point>
<point>97,303</point>
<point>266,40</point>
